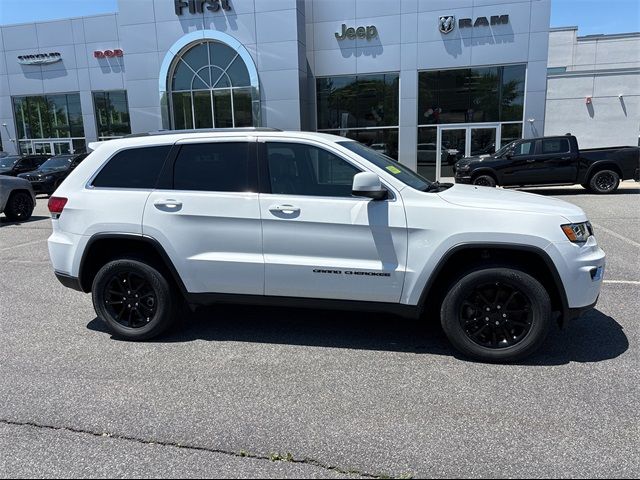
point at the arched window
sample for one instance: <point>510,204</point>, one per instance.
<point>210,87</point>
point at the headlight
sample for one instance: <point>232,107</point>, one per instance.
<point>463,168</point>
<point>578,232</point>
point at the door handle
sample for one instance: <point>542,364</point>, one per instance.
<point>284,209</point>
<point>531,160</point>
<point>168,204</point>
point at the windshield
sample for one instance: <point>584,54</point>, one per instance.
<point>399,171</point>
<point>504,149</point>
<point>57,163</point>
<point>8,162</point>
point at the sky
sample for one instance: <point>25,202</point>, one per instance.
<point>591,16</point>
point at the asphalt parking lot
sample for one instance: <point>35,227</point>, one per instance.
<point>267,392</point>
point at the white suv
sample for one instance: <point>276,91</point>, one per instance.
<point>153,222</point>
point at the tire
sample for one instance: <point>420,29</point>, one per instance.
<point>485,181</point>
<point>157,303</point>
<point>604,181</point>
<point>19,207</point>
<point>522,319</point>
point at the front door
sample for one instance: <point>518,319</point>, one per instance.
<point>318,240</point>
<point>209,220</point>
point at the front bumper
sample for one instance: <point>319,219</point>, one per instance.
<point>43,186</point>
<point>581,270</point>
<point>462,178</point>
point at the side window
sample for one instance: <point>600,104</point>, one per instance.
<point>298,169</point>
<point>555,145</point>
<point>133,168</point>
<point>24,163</point>
<point>214,167</point>
<point>525,148</point>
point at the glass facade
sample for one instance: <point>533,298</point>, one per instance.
<point>49,123</point>
<point>467,112</point>
<point>112,114</point>
<point>471,95</point>
<point>362,107</point>
<point>210,88</point>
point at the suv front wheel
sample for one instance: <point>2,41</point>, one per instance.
<point>497,315</point>
<point>134,299</point>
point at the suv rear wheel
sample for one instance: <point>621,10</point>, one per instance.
<point>19,207</point>
<point>604,181</point>
<point>134,299</point>
<point>497,315</point>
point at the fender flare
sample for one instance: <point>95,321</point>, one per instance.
<point>157,247</point>
<point>557,280</point>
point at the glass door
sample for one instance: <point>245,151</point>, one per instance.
<point>452,145</point>
<point>60,147</point>
<point>42,148</point>
<point>483,141</point>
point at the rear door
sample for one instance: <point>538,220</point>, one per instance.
<point>318,240</point>
<point>207,216</point>
<point>518,170</point>
<point>554,162</point>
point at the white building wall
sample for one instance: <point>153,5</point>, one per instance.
<point>604,68</point>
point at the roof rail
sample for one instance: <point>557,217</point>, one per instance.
<point>205,130</point>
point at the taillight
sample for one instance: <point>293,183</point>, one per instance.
<point>56,205</point>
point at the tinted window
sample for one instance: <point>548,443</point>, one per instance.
<point>555,145</point>
<point>133,168</point>
<point>399,171</point>
<point>214,167</point>
<point>298,169</point>
<point>525,148</point>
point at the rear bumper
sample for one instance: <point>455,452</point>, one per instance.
<point>69,281</point>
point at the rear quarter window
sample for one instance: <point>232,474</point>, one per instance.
<point>133,168</point>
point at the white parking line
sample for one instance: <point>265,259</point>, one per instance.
<point>624,282</point>
<point>22,245</point>
<point>617,235</point>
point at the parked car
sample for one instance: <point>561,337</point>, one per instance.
<point>48,177</point>
<point>15,164</point>
<point>17,199</point>
<point>149,223</point>
<point>552,161</point>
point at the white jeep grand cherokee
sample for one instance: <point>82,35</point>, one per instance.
<point>149,223</point>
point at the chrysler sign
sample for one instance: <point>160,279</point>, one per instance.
<point>39,58</point>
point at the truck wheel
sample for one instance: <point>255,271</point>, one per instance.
<point>604,181</point>
<point>497,315</point>
<point>19,207</point>
<point>134,299</point>
<point>484,181</point>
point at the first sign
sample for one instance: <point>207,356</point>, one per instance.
<point>197,6</point>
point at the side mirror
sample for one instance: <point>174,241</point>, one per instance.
<point>367,184</point>
<point>509,153</point>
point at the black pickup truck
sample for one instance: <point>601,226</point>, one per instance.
<point>552,161</point>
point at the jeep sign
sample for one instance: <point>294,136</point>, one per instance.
<point>361,32</point>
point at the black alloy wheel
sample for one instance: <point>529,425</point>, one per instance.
<point>485,181</point>
<point>604,181</point>
<point>130,299</point>
<point>19,207</point>
<point>496,315</point>
<point>134,299</point>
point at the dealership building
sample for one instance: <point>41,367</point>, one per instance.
<point>420,80</point>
